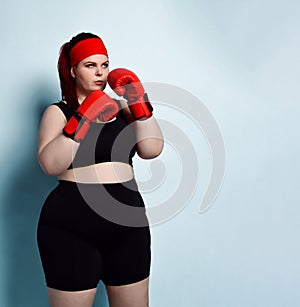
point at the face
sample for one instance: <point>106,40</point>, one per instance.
<point>90,74</point>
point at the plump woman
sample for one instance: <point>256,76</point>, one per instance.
<point>88,141</point>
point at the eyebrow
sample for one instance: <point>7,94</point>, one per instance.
<point>93,62</point>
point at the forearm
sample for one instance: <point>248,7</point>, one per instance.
<point>148,134</point>
<point>57,155</point>
<point>149,138</point>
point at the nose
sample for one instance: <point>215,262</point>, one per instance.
<point>99,71</point>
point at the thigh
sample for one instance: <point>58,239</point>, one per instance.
<point>58,298</point>
<point>131,295</point>
<point>70,263</point>
<point>127,258</point>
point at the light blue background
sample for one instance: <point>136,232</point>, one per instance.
<point>241,58</point>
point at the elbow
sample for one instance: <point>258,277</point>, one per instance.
<point>48,167</point>
<point>150,151</point>
<point>158,150</point>
<point>51,172</point>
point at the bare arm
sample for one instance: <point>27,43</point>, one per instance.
<point>149,137</point>
<point>150,141</point>
<point>55,151</point>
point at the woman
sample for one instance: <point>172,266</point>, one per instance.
<point>88,140</point>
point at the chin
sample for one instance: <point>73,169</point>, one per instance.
<point>101,88</point>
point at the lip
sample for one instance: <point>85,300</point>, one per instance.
<point>99,82</point>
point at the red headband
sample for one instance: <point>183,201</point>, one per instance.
<point>86,48</point>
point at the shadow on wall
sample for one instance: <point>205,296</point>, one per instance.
<point>26,188</point>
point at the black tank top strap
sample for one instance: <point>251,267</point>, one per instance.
<point>68,112</point>
<point>120,113</point>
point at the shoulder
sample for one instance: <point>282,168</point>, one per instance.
<point>64,108</point>
<point>54,110</point>
<point>53,116</point>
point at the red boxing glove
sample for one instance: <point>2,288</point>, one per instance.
<point>96,104</point>
<point>126,83</point>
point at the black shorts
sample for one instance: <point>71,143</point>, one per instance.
<point>78,247</point>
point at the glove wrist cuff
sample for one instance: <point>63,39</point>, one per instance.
<point>141,109</point>
<point>76,128</point>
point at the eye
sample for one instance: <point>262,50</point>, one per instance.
<point>89,65</point>
<point>105,65</point>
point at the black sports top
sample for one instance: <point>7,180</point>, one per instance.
<point>104,142</point>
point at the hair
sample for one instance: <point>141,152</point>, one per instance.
<point>67,82</point>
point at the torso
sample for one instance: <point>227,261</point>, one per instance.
<point>105,155</point>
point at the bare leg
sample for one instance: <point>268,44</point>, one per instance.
<point>132,295</point>
<point>58,298</point>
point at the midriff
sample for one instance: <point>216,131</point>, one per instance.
<point>106,172</point>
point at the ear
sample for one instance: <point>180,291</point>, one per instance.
<point>73,72</point>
